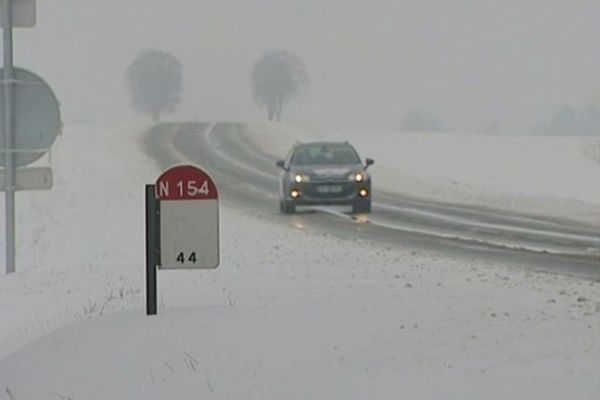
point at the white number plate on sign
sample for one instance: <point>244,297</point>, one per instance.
<point>189,219</point>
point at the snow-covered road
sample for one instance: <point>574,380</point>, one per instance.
<point>248,173</point>
<point>292,312</point>
<point>533,174</point>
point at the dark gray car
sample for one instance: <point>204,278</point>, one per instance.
<point>324,173</point>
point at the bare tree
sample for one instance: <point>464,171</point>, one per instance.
<point>277,77</point>
<point>155,83</point>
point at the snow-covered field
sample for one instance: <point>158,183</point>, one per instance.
<point>291,313</point>
<point>544,175</point>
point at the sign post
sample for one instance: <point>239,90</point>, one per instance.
<point>152,257</point>
<point>18,101</point>
<point>182,225</point>
<point>8,139</point>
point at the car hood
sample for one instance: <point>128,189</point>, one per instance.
<point>329,171</point>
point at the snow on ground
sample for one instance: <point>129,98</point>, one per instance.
<point>75,239</point>
<point>533,174</point>
<point>291,312</point>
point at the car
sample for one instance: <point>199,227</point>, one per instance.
<point>324,173</point>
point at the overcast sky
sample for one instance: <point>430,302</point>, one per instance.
<point>473,62</point>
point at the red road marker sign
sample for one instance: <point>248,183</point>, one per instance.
<point>189,219</point>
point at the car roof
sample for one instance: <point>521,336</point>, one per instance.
<point>322,143</point>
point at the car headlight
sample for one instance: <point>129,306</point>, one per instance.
<point>300,178</point>
<point>357,177</point>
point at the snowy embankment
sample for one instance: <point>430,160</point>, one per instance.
<point>548,176</point>
<point>291,312</point>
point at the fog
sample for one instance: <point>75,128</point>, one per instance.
<point>508,64</point>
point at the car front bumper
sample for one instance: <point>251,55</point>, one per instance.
<point>328,192</point>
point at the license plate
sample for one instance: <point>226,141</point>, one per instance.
<point>329,189</point>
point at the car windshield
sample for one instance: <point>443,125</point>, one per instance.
<point>325,155</point>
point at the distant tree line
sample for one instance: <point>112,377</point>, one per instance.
<point>572,121</point>
<point>421,120</point>
<point>155,82</point>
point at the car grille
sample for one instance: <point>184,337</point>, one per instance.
<point>323,190</point>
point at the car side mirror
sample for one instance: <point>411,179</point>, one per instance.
<point>280,164</point>
<point>369,162</point>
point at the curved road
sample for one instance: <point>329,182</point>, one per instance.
<point>248,178</point>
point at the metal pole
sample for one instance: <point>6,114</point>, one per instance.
<point>151,253</point>
<point>9,140</point>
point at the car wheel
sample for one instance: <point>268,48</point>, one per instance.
<point>361,207</point>
<point>287,207</point>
